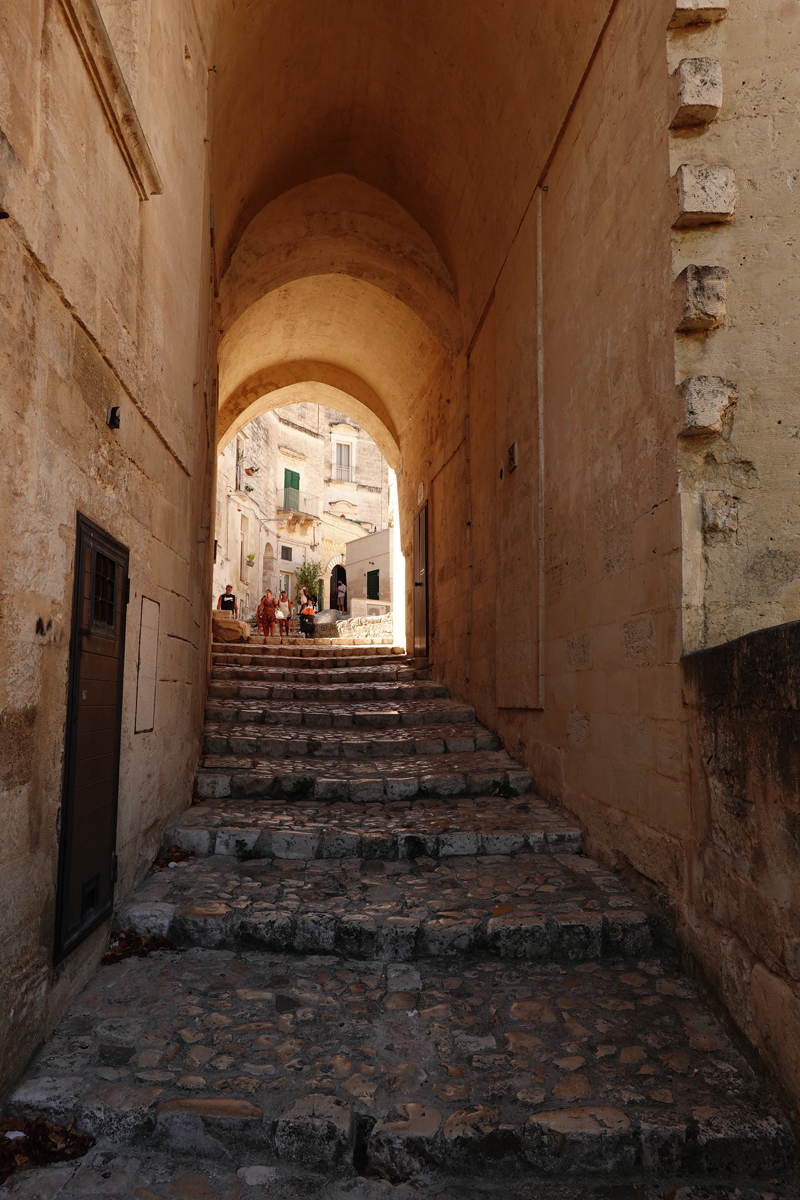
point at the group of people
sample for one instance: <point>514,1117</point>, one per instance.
<point>281,611</point>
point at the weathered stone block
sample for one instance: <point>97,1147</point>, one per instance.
<point>296,844</point>
<point>251,783</point>
<point>364,790</point>
<point>149,920</point>
<point>339,843</point>
<point>697,12</point>
<point>331,789</point>
<point>119,1111</point>
<point>416,845</point>
<point>398,938</point>
<point>448,935</point>
<point>401,1148</point>
<point>192,839</point>
<point>706,195</point>
<point>233,842</point>
<point>706,401</point>
<point>401,789</point>
<point>595,1139</point>
<point>514,936</point>
<point>696,91</point>
<point>357,935</point>
<point>267,931</point>
<point>577,936</point>
<point>720,513</point>
<point>443,785</point>
<point>200,924</point>
<point>628,932</point>
<point>472,1135</point>
<point>315,1129</point>
<point>212,785</point>
<point>226,630</point>
<point>315,933</point>
<point>700,298</point>
<point>505,843</point>
<point>58,1096</point>
<point>456,843</point>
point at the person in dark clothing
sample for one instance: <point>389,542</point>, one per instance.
<point>307,617</point>
<point>227,601</point>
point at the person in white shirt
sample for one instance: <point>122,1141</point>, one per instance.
<point>341,592</point>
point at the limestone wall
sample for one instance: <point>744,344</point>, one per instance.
<point>103,301</point>
<point>743,887</point>
<point>740,485</point>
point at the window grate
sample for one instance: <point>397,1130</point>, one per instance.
<point>105,577</point>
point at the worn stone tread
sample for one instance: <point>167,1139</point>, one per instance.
<point>532,906</point>
<point>400,829</point>
<point>284,741</point>
<point>305,648</point>
<point>317,663</point>
<point>378,714</point>
<point>318,674</point>
<point>422,690</point>
<point>508,1072</point>
<point>361,778</point>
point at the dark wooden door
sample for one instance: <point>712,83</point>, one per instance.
<point>87,862</point>
<point>421,583</point>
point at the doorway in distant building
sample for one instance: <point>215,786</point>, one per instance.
<point>421,582</point>
<point>87,858</point>
<point>338,575</point>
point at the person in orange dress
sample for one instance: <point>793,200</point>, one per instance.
<point>265,615</point>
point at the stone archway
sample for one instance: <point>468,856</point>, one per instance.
<point>338,575</point>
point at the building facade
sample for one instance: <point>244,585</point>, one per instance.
<point>295,485</point>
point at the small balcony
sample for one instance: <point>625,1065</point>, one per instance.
<point>293,501</point>
<point>344,474</point>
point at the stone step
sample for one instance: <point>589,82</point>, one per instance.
<point>361,779</point>
<point>367,714</point>
<point>301,647</point>
<point>401,830</point>
<point>612,1076</point>
<point>314,674</point>
<point>327,693</point>
<point>539,907</point>
<point>245,658</point>
<point>281,741</point>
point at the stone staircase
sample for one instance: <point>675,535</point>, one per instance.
<point>394,972</point>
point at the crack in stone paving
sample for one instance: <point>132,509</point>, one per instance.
<point>438,994</point>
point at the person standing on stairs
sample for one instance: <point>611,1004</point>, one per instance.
<point>228,602</point>
<point>266,614</point>
<point>341,593</point>
<point>283,614</point>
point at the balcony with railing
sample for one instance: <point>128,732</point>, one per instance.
<point>344,474</point>
<point>293,500</point>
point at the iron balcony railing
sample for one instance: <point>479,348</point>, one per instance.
<point>344,474</point>
<point>297,501</point>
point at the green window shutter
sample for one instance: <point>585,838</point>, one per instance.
<point>291,479</point>
<point>373,585</point>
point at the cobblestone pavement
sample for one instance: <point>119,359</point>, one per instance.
<point>392,983</point>
<point>409,1070</point>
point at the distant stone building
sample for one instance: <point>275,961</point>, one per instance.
<point>295,485</point>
